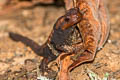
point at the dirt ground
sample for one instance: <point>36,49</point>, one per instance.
<point>19,62</point>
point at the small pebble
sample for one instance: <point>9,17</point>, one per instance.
<point>109,41</point>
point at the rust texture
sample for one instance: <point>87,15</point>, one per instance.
<point>75,38</point>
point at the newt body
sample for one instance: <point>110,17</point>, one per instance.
<point>94,28</point>
<point>60,40</point>
<point>75,38</point>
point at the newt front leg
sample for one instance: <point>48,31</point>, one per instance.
<point>90,43</point>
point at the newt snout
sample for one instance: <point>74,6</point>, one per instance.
<point>72,17</point>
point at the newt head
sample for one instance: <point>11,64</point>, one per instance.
<point>72,17</point>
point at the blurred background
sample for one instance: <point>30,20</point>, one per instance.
<point>35,19</point>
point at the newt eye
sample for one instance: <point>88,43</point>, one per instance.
<point>67,19</point>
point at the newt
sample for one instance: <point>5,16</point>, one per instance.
<point>94,28</point>
<point>76,37</point>
<point>62,39</point>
